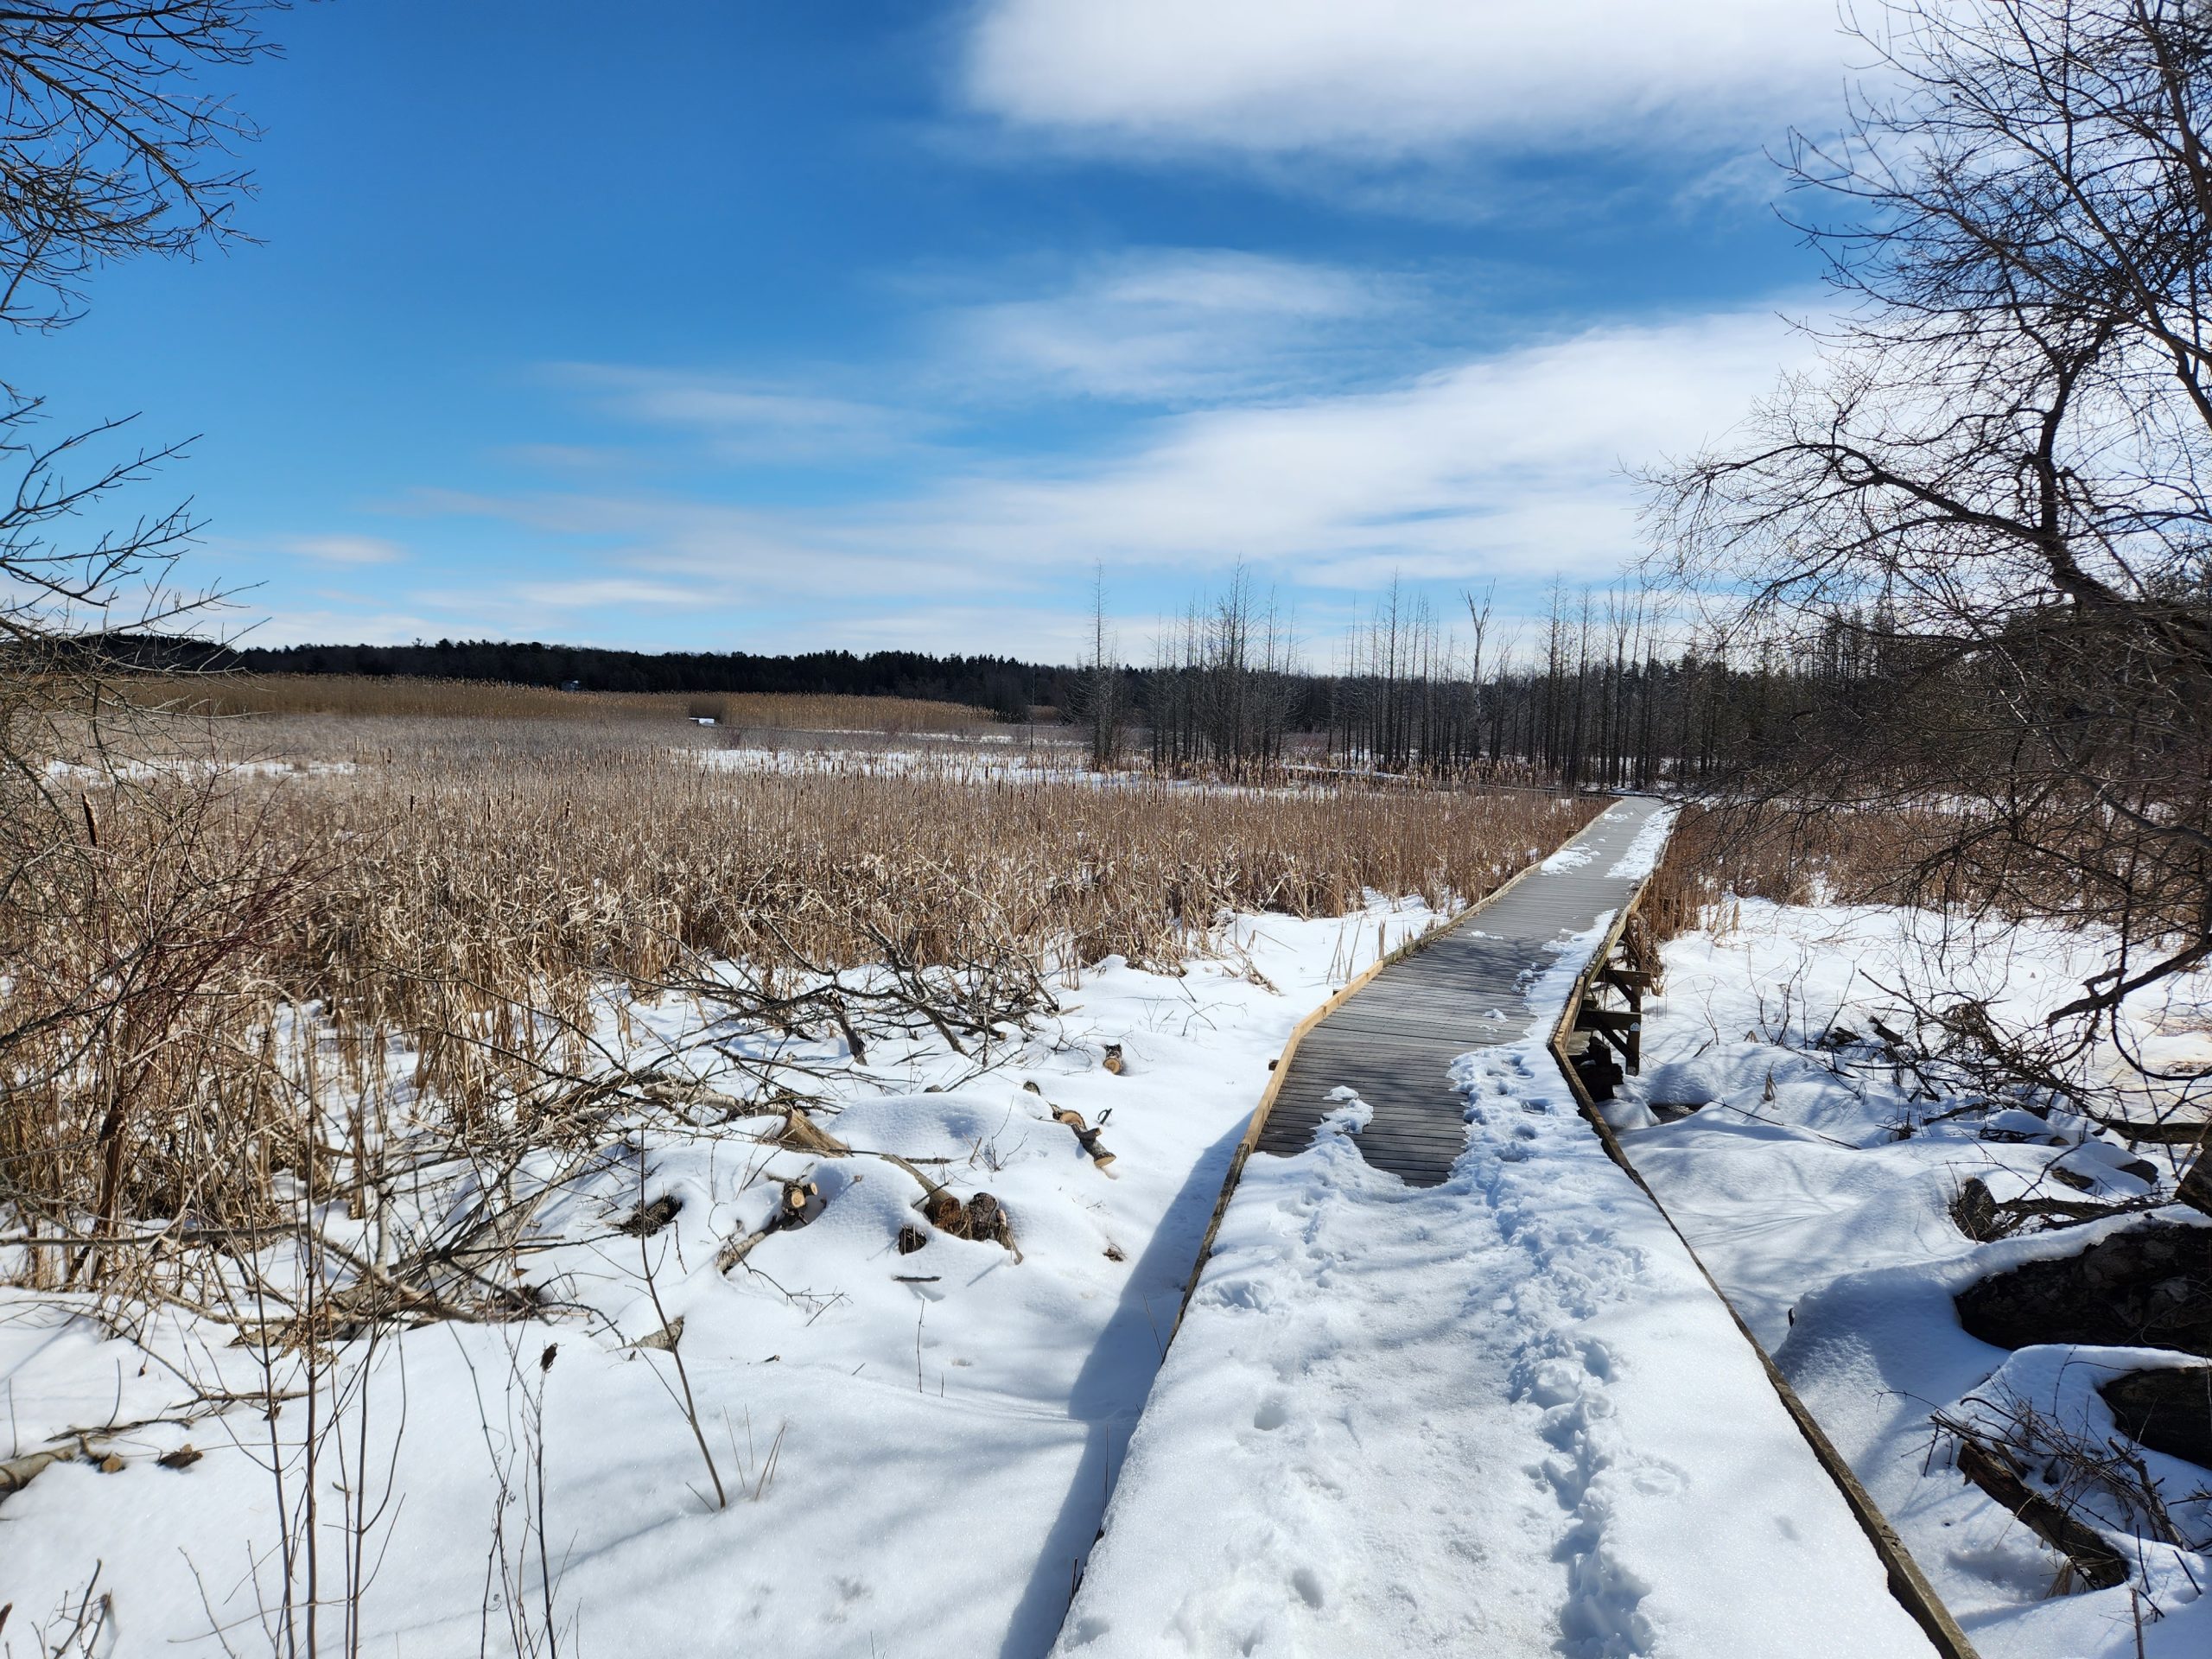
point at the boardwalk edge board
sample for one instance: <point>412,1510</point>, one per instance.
<point>1908,1585</point>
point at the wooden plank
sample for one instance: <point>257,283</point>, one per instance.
<point>1426,1150</point>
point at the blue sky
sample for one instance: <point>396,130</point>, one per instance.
<point>775,326</point>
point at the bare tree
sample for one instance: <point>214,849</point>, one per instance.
<point>1988,509</point>
<point>1478,620</point>
<point>107,151</point>
<point>115,924</point>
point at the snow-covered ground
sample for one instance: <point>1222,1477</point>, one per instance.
<point>1816,1181</point>
<point>915,1448</point>
<point>1506,1415</point>
<point>1055,763</point>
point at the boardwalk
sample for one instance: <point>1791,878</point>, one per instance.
<point>1392,1041</point>
<point>1451,1385</point>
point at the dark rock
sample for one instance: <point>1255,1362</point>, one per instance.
<point>2168,1411</point>
<point>2149,1287</point>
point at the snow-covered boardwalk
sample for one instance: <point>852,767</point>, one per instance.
<point>1502,1415</point>
<point>1395,1039</point>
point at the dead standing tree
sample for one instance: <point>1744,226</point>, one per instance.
<point>1101,700</point>
<point>1992,498</point>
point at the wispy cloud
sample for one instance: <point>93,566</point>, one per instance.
<point>1509,464</point>
<point>745,422</point>
<point>346,549</point>
<point>1391,78</point>
<point>1182,325</point>
<point>592,593</point>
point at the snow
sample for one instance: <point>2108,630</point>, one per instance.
<point>1504,1416</point>
<point>917,1447</point>
<point>1833,1235</point>
<point>1642,856</point>
<point>1571,857</point>
<point>1043,761</point>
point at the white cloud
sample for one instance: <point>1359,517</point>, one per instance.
<point>348,550</point>
<point>1179,324</point>
<point>594,593</point>
<point>746,422</point>
<point>730,554</point>
<point>1506,465</point>
<point>1389,78</point>
<point>1510,463</point>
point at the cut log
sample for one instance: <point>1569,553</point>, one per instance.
<point>802,1134</point>
<point>986,1219</point>
<point>944,1212</point>
<point>802,1202</point>
<point>1085,1136</point>
<point>18,1473</point>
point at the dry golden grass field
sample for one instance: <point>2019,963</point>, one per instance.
<point>257,909</point>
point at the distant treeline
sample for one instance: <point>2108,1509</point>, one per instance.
<point>1598,697</point>
<point>1004,685</point>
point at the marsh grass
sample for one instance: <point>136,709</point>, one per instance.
<point>244,983</point>
<point>1840,856</point>
<point>364,695</point>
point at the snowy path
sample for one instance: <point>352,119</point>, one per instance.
<point>1503,1415</point>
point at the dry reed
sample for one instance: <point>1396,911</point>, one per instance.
<point>358,696</point>
<point>1836,856</point>
<point>235,951</point>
